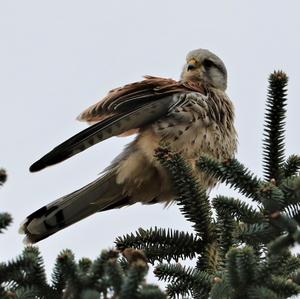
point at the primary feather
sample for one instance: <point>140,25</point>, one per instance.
<point>131,107</point>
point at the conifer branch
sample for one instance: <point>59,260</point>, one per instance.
<point>232,274</point>
<point>237,209</point>
<point>209,259</point>
<point>289,264</point>
<point>58,280</point>
<point>225,226</point>
<point>272,198</point>
<point>291,190</point>
<point>232,173</point>
<point>135,277</point>
<point>67,265</point>
<point>291,166</point>
<point>5,221</point>
<point>194,205</point>
<point>115,274</point>
<point>220,289</point>
<point>177,274</point>
<point>178,288</point>
<point>151,292</point>
<point>292,211</point>
<point>192,199</point>
<point>37,275</point>
<point>273,146</point>
<point>284,287</point>
<point>281,243</point>
<point>243,276</point>
<point>133,285</point>
<point>162,244</point>
<point>261,292</point>
<point>257,233</point>
<point>99,265</point>
<point>10,271</point>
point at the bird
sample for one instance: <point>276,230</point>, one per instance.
<point>192,115</point>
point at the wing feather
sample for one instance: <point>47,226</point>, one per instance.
<point>123,111</point>
<point>131,95</point>
<point>112,126</point>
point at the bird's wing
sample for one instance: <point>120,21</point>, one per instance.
<point>122,110</point>
<point>134,95</point>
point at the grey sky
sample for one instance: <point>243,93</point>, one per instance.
<point>58,57</point>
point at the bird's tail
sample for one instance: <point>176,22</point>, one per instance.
<point>102,194</point>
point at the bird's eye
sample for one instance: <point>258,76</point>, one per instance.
<point>207,63</point>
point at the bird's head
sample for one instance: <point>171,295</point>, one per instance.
<point>203,65</point>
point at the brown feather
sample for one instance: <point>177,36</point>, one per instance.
<point>135,94</point>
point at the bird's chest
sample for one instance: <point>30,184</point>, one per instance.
<point>193,129</point>
<point>192,132</point>
<point>200,127</point>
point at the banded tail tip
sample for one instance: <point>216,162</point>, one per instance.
<point>26,241</point>
<point>23,231</point>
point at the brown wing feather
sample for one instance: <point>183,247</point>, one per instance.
<point>122,111</point>
<point>132,95</point>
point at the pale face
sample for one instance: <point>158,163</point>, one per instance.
<point>205,66</point>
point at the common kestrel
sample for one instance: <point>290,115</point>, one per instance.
<point>193,116</point>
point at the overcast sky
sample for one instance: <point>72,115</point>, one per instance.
<point>58,57</point>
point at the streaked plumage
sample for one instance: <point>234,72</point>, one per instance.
<point>194,116</point>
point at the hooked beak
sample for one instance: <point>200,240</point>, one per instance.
<point>191,65</point>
